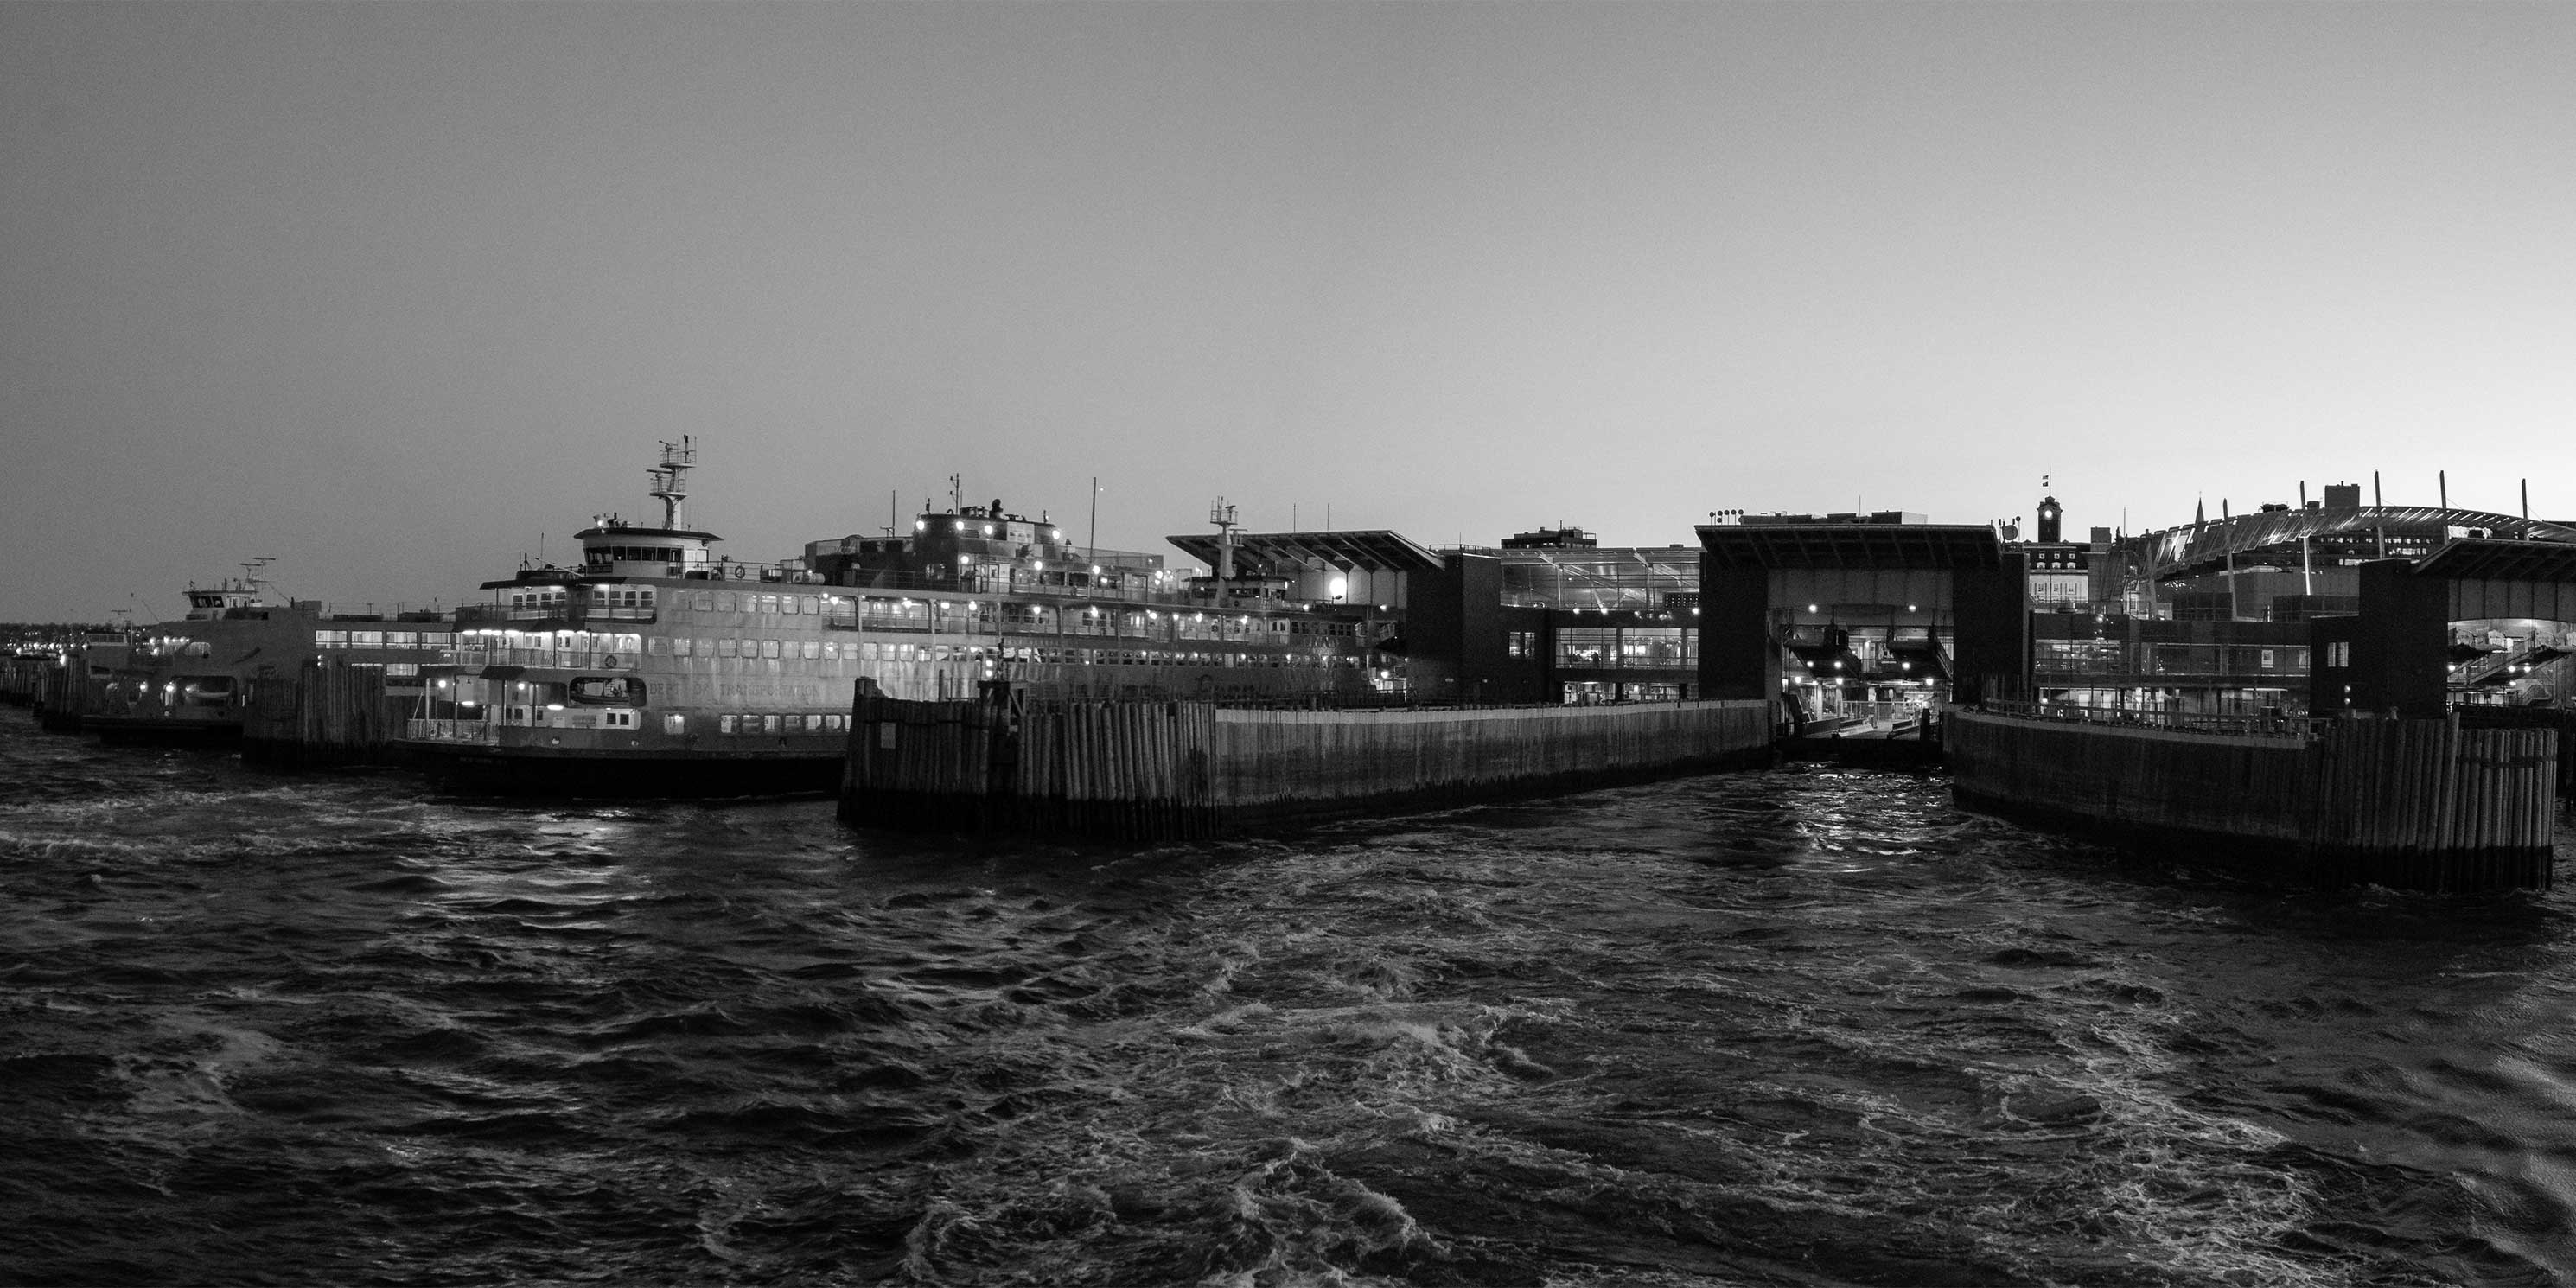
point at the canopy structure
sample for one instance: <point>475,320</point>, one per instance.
<point>1829,545</point>
<point>2501,561</point>
<point>2201,547</point>
<point>1281,552</point>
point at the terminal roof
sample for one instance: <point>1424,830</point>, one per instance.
<point>2501,561</point>
<point>1852,545</point>
<point>2201,547</point>
<point>1371,551</point>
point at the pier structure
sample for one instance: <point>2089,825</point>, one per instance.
<point>1172,770</point>
<point>2430,804</point>
<point>2269,686</point>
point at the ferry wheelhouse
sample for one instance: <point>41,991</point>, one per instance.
<point>657,666</point>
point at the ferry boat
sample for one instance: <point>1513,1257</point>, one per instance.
<point>657,666</point>
<point>194,678</point>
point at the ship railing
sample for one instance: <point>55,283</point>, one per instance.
<point>402,611</point>
<point>561,659</point>
<point>568,617</point>
<point>1130,592</point>
<point>470,731</point>
<point>2248,726</point>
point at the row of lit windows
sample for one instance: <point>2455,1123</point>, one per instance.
<point>891,651</point>
<point>2118,657</point>
<point>875,611</point>
<point>383,639</point>
<point>600,597</point>
<point>726,601</point>
<point>789,722</point>
<point>576,641</point>
<point>685,646</point>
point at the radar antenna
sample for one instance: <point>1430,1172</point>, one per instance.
<point>670,479</point>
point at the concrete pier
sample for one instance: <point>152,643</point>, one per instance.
<point>1158,770</point>
<point>2411,804</point>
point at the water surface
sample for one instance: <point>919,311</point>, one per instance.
<point>1772,1028</point>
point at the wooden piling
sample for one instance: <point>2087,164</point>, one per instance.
<point>2422,804</point>
<point>1163,769</point>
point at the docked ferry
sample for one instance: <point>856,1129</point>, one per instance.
<point>659,666</point>
<point>193,679</point>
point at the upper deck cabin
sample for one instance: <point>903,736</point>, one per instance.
<point>231,599</point>
<point>986,550</point>
<point>612,547</point>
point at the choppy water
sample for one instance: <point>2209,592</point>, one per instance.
<point>1789,1028</point>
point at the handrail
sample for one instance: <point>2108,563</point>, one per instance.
<point>2300,727</point>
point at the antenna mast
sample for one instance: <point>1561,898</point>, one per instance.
<point>670,478</point>
<point>1222,515</point>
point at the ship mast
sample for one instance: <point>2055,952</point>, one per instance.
<point>670,479</point>
<point>1222,515</point>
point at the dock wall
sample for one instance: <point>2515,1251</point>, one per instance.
<point>60,695</point>
<point>330,713</point>
<point>21,677</point>
<point>1184,770</point>
<point>2412,804</point>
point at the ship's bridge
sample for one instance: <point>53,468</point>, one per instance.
<point>616,548</point>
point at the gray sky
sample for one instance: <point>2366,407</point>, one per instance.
<point>388,290</point>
